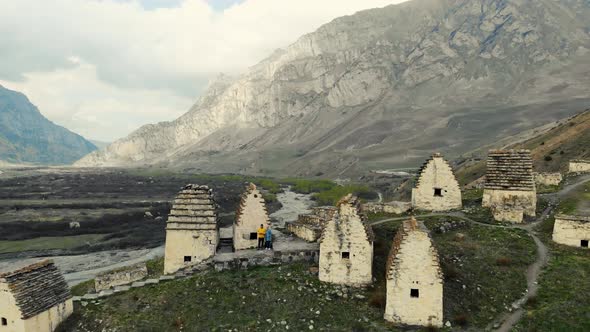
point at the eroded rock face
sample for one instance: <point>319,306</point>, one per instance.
<point>350,90</point>
<point>346,246</point>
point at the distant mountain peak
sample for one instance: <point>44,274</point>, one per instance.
<point>28,137</point>
<point>383,87</point>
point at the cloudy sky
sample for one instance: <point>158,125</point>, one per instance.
<point>103,68</point>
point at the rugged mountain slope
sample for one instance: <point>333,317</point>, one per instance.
<point>552,147</point>
<point>26,136</point>
<point>382,89</point>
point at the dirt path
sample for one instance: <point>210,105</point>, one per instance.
<point>506,322</point>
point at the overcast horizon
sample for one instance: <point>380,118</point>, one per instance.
<point>104,68</point>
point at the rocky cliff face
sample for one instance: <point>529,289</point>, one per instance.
<point>28,137</point>
<point>381,89</point>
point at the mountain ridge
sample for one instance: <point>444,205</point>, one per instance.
<point>26,136</point>
<point>339,99</point>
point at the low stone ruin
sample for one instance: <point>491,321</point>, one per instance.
<point>346,246</point>
<point>120,277</point>
<point>509,189</point>
<point>394,207</point>
<point>572,230</point>
<point>437,188</point>
<point>309,226</point>
<point>250,215</point>
<point>34,298</point>
<point>548,179</point>
<point>414,278</point>
<point>579,166</point>
<point>191,231</point>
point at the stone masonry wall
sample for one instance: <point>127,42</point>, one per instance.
<point>414,278</point>
<point>571,230</point>
<point>346,247</point>
<point>307,232</point>
<point>437,188</point>
<point>548,179</point>
<point>510,205</point>
<point>123,276</point>
<point>579,166</point>
<point>388,207</point>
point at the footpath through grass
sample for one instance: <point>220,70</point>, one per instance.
<point>562,302</point>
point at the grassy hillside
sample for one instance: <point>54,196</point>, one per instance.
<point>551,150</point>
<point>562,301</point>
<point>484,273</point>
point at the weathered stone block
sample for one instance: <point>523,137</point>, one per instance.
<point>119,277</point>
<point>579,166</point>
<point>572,230</point>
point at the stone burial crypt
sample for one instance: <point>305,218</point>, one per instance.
<point>191,231</point>
<point>509,189</point>
<point>34,298</point>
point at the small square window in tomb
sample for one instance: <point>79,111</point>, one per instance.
<point>414,292</point>
<point>253,236</point>
<point>584,243</point>
<point>4,321</point>
<point>187,259</point>
<point>345,255</point>
<point>437,192</point>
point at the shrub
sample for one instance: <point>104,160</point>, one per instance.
<point>378,297</point>
<point>548,158</point>
<point>503,261</point>
<point>461,319</point>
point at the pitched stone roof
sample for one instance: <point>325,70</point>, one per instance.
<point>580,219</point>
<point>510,170</point>
<point>251,187</point>
<point>406,227</point>
<point>428,161</point>
<point>193,208</point>
<point>37,287</point>
<point>354,202</point>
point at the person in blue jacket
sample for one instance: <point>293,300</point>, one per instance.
<point>268,238</point>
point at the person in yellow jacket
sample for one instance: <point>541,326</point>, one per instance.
<point>261,234</point>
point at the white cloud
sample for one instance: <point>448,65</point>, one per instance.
<point>103,68</point>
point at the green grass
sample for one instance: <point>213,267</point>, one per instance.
<point>258,299</point>
<point>304,186</point>
<point>45,243</point>
<point>155,267</point>
<point>472,195</point>
<point>83,288</point>
<point>542,189</point>
<point>332,196</point>
<point>562,303</point>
